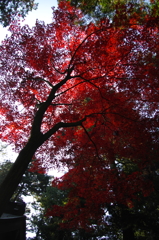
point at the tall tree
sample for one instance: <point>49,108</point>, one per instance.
<point>81,96</point>
<point>48,228</point>
<point>9,9</point>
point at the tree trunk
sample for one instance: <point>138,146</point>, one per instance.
<point>128,234</point>
<point>14,176</point>
<point>127,220</point>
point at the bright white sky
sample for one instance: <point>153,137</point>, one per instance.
<point>44,13</point>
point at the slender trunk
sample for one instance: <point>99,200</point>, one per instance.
<point>14,176</point>
<point>128,234</point>
<point>128,221</point>
<point>126,218</point>
<point>18,192</point>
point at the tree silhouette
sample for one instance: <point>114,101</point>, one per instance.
<point>82,96</point>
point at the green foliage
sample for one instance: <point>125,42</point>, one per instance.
<point>4,168</point>
<point>115,9</point>
<point>32,183</point>
<point>89,6</point>
<point>47,228</point>
<point>9,9</point>
<point>142,217</point>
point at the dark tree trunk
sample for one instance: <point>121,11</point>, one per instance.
<point>128,221</point>
<point>128,234</point>
<point>13,178</point>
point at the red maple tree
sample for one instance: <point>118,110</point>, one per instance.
<point>81,96</point>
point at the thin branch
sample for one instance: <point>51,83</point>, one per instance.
<point>59,125</point>
<point>36,126</point>
<point>52,104</point>
<point>84,40</point>
<point>62,73</point>
<point>41,79</point>
<point>128,118</point>
<point>90,140</point>
<point>61,104</point>
<point>70,87</point>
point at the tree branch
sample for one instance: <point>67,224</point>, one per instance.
<point>61,104</point>
<point>41,79</point>
<point>59,125</point>
<point>36,126</point>
<point>90,140</point>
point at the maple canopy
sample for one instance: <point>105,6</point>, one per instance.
<point>85,97</point>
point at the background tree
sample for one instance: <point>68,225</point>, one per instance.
<point>64,87</point>
<point>136,220</point>
<point>4,169</point>
<point>33,184</point>
<point>119,11</point>
<point>48,228</point>
<point>9,9</point>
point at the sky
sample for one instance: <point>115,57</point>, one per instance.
<point>43,13</point>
